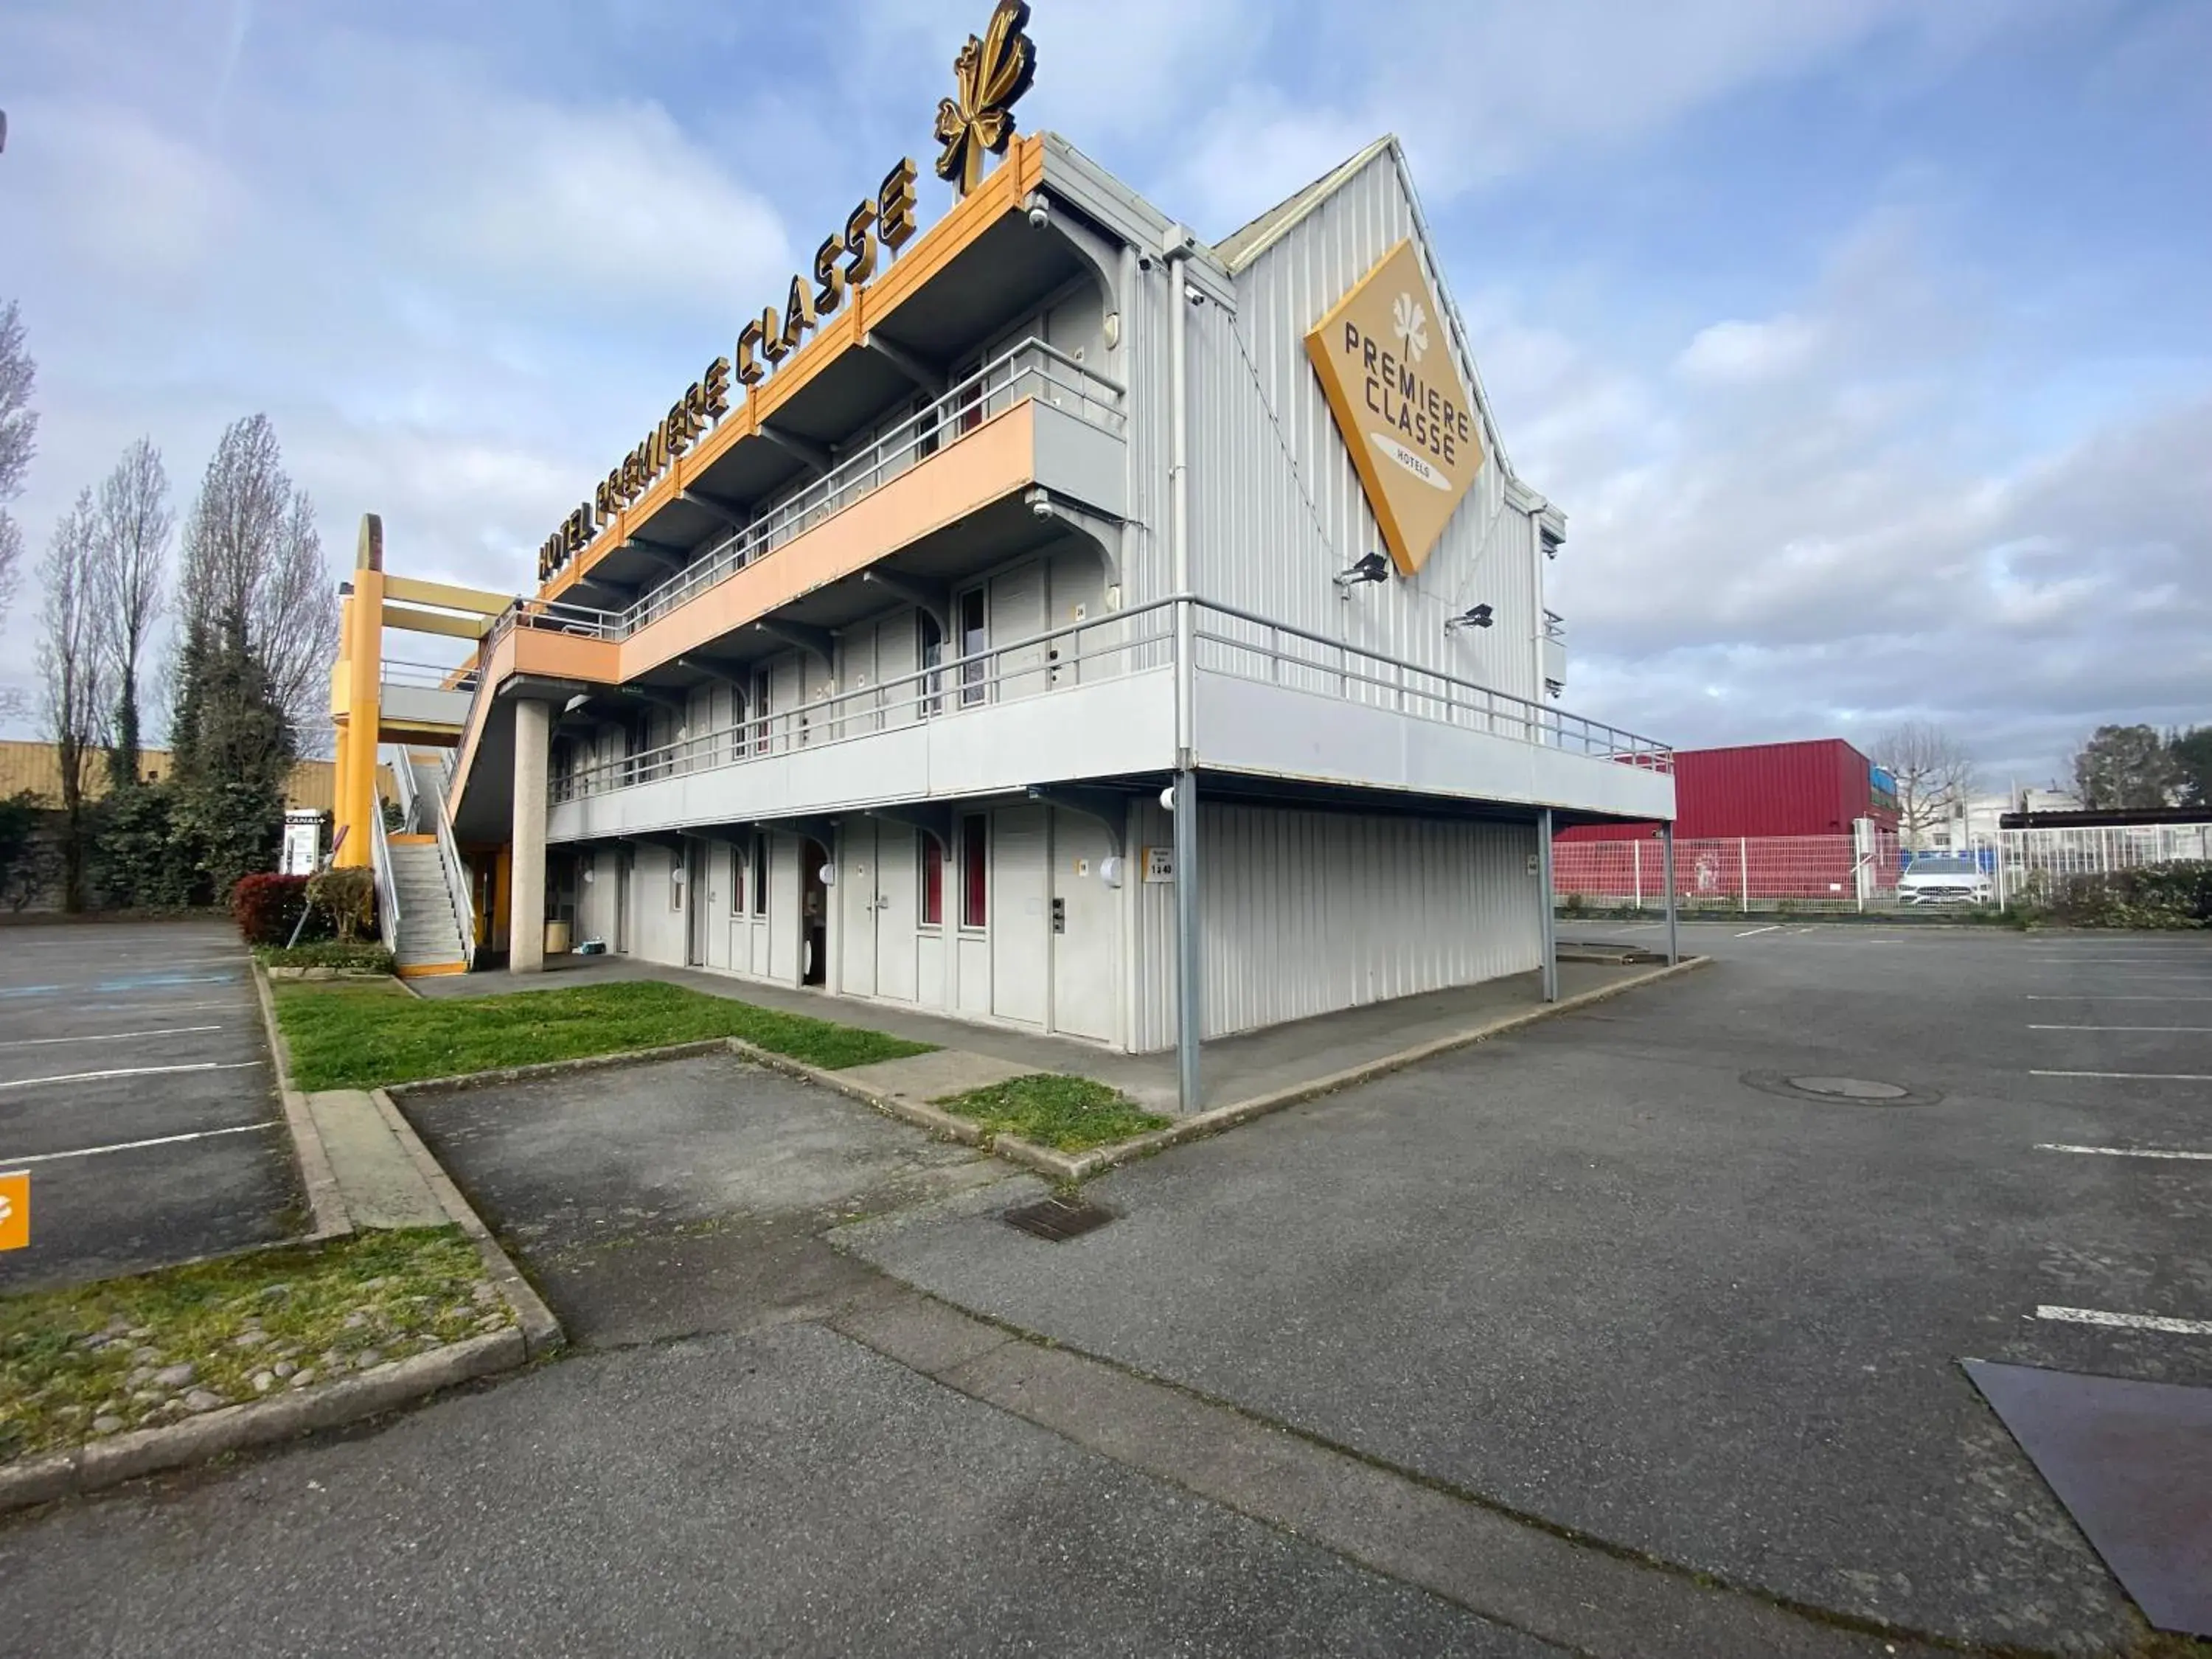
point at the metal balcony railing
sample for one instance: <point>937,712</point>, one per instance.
<point>1034,368</point>
<point>1227,641</point>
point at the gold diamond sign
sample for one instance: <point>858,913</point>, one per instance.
<point>1405,414</point>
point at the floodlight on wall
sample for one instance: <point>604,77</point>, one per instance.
<point>1478,617</point>
<point>1371,567</point>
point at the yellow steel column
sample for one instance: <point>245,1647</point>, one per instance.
<point>364,650</point>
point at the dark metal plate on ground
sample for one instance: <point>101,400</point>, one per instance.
<point>1841,1090</point>
<point>2132,1463</point>
<point>1615,956</point>
<point>1057,1218</point>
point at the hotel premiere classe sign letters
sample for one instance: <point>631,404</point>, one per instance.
<point>990,73</point>
<point>1393,383</point>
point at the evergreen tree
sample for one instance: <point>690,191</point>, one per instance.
<point>232,749</point>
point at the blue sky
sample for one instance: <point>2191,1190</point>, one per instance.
<point>1866,344</point>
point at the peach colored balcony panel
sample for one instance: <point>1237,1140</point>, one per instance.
<point>997,459</point>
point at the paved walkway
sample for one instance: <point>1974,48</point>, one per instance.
<point>1234,1068</point>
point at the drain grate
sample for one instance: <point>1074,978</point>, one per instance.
<point>1056,1218</point>
<point>1841,1090</point>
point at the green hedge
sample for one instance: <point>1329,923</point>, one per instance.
<point>2155,896</point>
<point>329,953</point>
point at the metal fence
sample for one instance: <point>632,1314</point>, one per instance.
<point>1740,873</point>
<point>1856,872</point>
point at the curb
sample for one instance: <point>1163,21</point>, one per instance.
<point>541,1331</point>
<point>325,1205</point>
<point>436,1085</point>
<point>108,1462</point>
<point>942,1124</point>
<point>1068,1170</point>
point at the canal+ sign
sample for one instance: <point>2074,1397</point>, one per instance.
<point>1394,384</point>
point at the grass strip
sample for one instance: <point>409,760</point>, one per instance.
<point>1067,1114</point>
<point>364,1037</point>
<point>91,1360</point>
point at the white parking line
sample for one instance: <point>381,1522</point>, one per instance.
<point>2099,996</point>
<point>2121,1151</point>
<point>1755,931</point>
<point>2128,1322</point>
<point>109,1036</point>
<point>2138,1077</point>
<point>132,1071</point>
<point>2121,1028</point>
<point>133,1145</point>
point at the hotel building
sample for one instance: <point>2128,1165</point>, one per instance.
<point>1042,616</point>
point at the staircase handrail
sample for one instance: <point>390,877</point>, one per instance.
<point>387,886</point>
<point>458,889</point>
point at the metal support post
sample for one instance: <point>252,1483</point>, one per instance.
<point>1673,931</point>
<point>1547,906</point>
<point>1636,854</point>
<point>1743,870</point>
<point>1189,968</point>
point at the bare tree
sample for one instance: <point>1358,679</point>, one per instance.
<point>19,427</point>
<point>253,572</point>
<point>1933,772</point>
<point>70,664</point>
<point>131,547</point>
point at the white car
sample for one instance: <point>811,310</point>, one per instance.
<point>1945,881</point>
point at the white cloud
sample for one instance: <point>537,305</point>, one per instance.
<point>1739,353</point>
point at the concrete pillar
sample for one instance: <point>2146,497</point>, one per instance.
<point>526,933</point>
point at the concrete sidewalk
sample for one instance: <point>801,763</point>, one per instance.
<point>1234,1068</point>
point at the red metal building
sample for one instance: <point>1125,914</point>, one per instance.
<point>1818,787</point>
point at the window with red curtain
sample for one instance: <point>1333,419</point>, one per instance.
<point>974,871</point>
<point>933,882</point>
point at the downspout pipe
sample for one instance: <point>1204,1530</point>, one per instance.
<point>1189,967</point>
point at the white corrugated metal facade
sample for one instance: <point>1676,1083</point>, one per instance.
<point>1307,912</point>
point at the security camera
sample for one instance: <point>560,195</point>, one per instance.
<point>1144,261</point>
<point>1194,296</point>
<point>1041,505</point>
<point>1040,216</point>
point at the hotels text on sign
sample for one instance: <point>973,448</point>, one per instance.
<point>1393,382</point>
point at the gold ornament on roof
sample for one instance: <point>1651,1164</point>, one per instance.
<point>989,75</point>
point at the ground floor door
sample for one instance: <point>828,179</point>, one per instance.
<point>813,913</point>
<point>719,911</point>
<point>1020,948</point>
<point>859,909</point>
<point>697,912</point>
<point>898,911</point>
<point>1087,933</point>
<point>625,870</point>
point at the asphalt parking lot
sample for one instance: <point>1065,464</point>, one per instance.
<point>1602,1273</point>
<point>135,1090</point>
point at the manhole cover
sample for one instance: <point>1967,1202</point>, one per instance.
<point>1840,1090</point>
<point>1850,1088</point>
<point>1056,1218</point>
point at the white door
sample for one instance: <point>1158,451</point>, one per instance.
<point>724,898</point>
<point>1086,935</point>
<point>898,888</point>
<point>855,898</point>
<point>1018,612</point>
<point>1020,925</point>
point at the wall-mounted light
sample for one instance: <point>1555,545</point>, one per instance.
<point>1479,617</point>
<point>1371,567</point>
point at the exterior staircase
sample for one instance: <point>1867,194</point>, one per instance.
<point>435,921</point>
<point>429,932</point>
